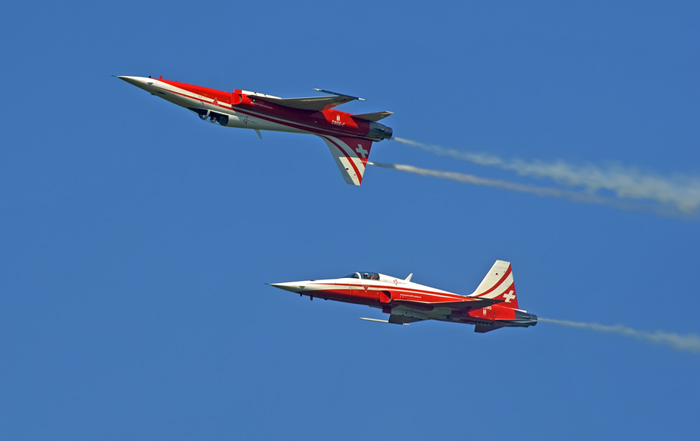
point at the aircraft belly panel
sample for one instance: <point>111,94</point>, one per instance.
<point>243,121</point>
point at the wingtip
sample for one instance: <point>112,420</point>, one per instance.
<point>338,94</point>
<point>381,321</point>
<point>367,319</point>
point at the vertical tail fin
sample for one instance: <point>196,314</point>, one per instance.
<point>498,284</point>
<point>350,155</point>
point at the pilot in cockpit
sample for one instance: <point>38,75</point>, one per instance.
<point>365,276</point>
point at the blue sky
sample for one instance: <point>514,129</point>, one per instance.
<point>136,239</point>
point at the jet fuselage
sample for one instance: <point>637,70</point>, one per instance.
<point>349,137</point>
<point>491,306</point>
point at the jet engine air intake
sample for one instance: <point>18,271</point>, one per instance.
<point>201,113</point>
<point>213,117</point>
<point>217,118</point>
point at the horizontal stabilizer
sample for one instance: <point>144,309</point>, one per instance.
<point>485,328</point>
<point>376,116</point>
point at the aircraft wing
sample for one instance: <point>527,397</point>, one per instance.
<point>350,155</point>
<point>395,319</point>
<point>486,328</point>
<point>311,103</point>
<point>401,320</point>
<point>467,303</point>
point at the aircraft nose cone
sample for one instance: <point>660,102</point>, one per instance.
<point>290,286</point>
<point>140,82</point>
<point>131,80</point>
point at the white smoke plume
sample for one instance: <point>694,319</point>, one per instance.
<point>682,191</point>
<point>538,191</point>
<point>688,342</point>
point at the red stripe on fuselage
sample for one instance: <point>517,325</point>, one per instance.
<point>401,290</point>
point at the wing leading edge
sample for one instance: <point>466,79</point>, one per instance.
<point>319,103</point>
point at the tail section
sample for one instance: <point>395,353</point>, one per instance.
<point>350,156</point>
<point>498,284</point>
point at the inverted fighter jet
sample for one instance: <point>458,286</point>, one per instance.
<point>349,137</point>
<point>493,305</point>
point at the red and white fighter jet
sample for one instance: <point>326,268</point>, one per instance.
<point>349,137</point>
<point>493,305</point>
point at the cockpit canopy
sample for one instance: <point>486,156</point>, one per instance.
<point>367,276</point>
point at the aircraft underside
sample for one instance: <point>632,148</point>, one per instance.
<point>402,314</point>
<point>348,137</point>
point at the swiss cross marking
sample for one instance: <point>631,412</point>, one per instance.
<point>510,296</point>
<point>361,151</point>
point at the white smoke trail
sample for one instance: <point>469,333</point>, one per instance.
<point>539,191</point>
<point>683,191</point>
<point>688,342</point>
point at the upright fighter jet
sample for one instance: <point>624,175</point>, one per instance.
<point>492,305</point>
<point>349,137</point>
